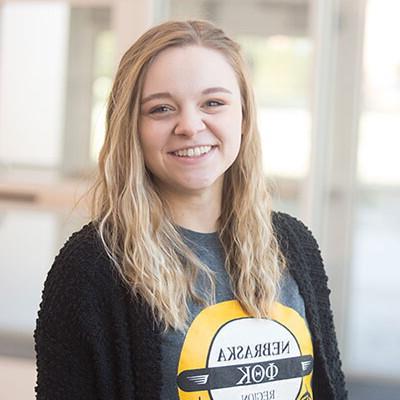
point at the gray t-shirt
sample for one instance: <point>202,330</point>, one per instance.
<point>209,249</point>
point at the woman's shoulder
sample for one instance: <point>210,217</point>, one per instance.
<point>81,242</point>
<point>298,244</point>
<point>288,227</point>
<point>77,282</point>
<point>81,257</point>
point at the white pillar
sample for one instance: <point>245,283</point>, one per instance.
<point>324,32</point>
<point>129,20</point>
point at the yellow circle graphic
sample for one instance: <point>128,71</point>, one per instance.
<point>228,355</point>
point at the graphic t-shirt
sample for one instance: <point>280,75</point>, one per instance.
<point>227,354</point>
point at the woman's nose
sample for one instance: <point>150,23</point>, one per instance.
<point>190,122</point>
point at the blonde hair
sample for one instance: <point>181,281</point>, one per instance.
<point>135,224</point>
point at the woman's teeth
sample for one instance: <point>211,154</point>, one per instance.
<point>193,151</point>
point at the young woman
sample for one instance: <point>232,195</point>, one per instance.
<point>185,284</point>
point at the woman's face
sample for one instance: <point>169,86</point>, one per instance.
<point>190,121</point>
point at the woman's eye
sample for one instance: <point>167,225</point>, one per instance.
<point>160,110</point>
<point>214,103</point>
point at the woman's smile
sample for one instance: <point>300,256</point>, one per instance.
<point>194,151</point>
<point>193,155</point>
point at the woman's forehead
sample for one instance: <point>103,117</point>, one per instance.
<point>189,68</point>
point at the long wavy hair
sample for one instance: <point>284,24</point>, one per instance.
<point>134,222</point>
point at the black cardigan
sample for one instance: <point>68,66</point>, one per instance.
<point>93,340</point>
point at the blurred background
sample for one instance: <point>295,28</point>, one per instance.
<point>327,80</point>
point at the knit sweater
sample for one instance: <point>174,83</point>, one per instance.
<point>95,340</point>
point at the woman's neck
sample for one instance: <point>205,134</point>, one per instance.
<point>198,212</point>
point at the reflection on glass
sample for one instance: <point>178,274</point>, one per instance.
<point>280,68</point>
<point>379,141</point>
<point>379,147</point>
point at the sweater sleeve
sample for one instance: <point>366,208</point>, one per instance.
<point>320,311</point>
<point>329,340</point>
<point>63,333</point>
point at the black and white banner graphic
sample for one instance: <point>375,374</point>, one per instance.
<point>245,374</point>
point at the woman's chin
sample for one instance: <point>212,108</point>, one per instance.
<point>200,185</point>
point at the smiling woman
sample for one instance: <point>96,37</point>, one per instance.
<point>185,284</point>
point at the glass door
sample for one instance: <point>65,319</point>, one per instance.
<point>374,318</point>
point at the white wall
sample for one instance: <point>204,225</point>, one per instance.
<point>34,39</point>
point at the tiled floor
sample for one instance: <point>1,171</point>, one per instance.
<point>365,390</point>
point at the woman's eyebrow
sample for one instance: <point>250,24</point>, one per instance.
<point>163,95</point>
<point>215,90</point>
